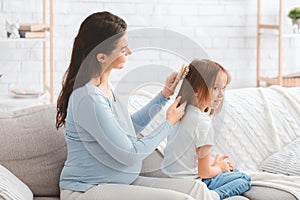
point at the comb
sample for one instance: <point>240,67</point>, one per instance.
<point>184,70</point>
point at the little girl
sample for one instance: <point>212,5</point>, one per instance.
<point>187,154</point>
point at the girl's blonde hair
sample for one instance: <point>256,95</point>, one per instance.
<point>200,79</point>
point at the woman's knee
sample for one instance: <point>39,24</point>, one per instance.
<point>178,196</point>
<point>69,195</point>
<point>133,192</point>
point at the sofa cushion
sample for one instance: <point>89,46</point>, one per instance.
<point>286,161</point>
<point>12,188</point>
<point>262,192</point>
<point>32,149</point>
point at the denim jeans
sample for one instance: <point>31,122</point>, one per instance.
<point>229,184</point>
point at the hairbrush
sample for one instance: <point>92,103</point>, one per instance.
<point>184,70</point>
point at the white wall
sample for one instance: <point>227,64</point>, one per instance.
<point>226,29</point>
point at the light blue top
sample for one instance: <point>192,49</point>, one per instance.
<point>102,140</point>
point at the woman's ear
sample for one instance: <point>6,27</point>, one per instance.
<point>101,57</point>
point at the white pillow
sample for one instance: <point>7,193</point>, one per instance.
<point>286,161</point>
<point>12,188</point>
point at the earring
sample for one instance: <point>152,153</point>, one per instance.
<point>100,58</point>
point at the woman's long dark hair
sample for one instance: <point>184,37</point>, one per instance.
<point>200,78</point>
<point>98,33</point>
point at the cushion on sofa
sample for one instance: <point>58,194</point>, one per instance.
<point>286,161</point>
<point>32,149</point>
<point>12,188</point>
<point>263,192</point>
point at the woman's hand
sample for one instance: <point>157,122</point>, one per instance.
<point>170,85</point>
<point>174,113</point>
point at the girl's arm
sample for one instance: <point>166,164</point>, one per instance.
<point>206,169</point>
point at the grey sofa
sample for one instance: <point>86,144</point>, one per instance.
<point>33,150</point>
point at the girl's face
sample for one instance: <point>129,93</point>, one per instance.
<point>119,55</point>
<point>218,89</point>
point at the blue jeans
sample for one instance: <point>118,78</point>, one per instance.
<point>229,184</point>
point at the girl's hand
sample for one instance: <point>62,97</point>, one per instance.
<point>221,163</point>
<point>174,113</point>
<point>170,85</point>
<point>230,165</point>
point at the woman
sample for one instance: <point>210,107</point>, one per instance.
<point>104,155</point>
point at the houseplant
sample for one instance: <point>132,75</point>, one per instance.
<point>294,14</point>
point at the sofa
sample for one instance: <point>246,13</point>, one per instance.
<point>33,152</point>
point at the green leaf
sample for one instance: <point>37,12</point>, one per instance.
<point>294,13</point>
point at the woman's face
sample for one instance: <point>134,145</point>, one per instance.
<point>217,91</point>
<point>119,55</point>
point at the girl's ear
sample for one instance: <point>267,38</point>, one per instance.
<point>101,57</point>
